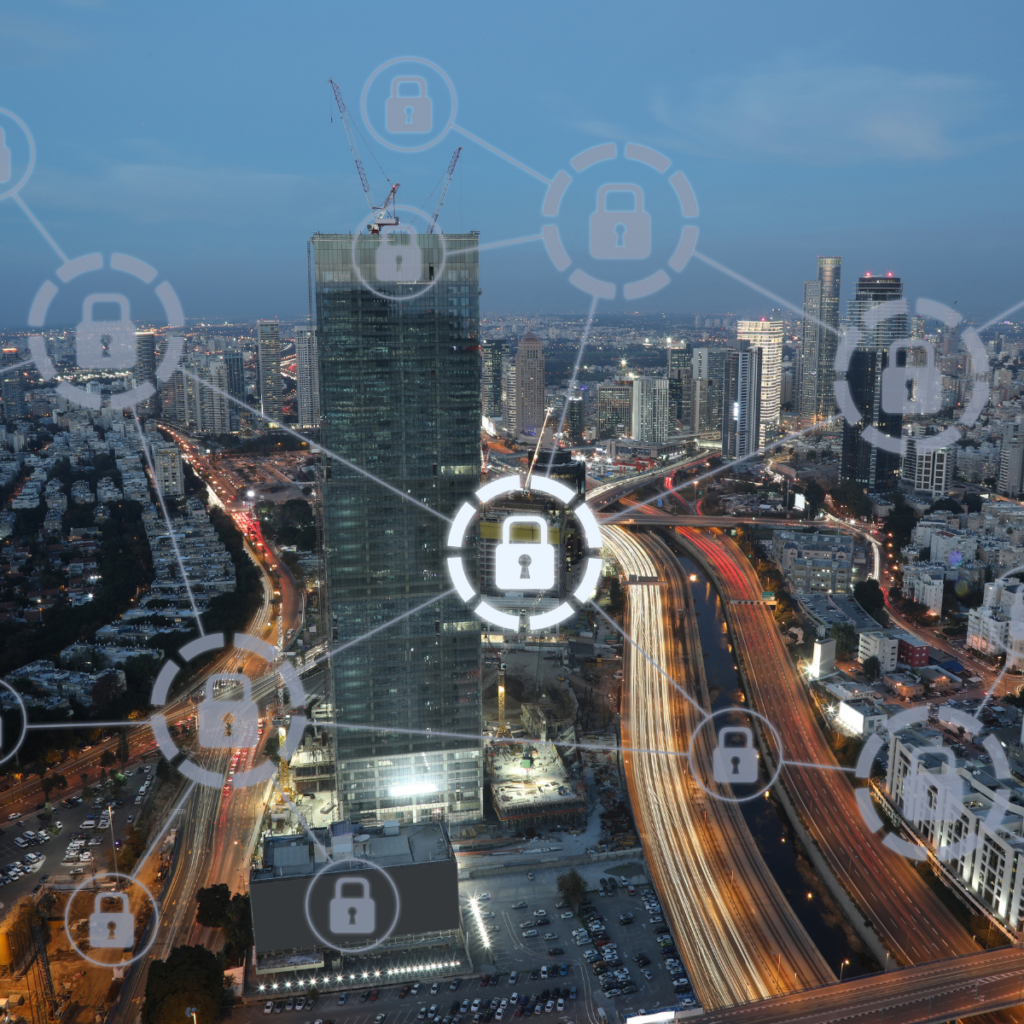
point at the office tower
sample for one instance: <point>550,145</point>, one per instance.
<point>650,410</point>
<point>269,341</point>
<point>819,340</point>
<point>787,387</point>
<point>493,354</point>
<point>168,471</point>
<point>508,396</point>
<point>874,468</point>
<point>307,378</point>
<point>208,409</point>
<point>529,385</point>
<point>680,385</point>
<point>574,420</point>
<point>614,409</point>
<point>709,367</point>
<point>1010,480</point>
<point>234,362</point>
<point>145,371</point>
<point>12,386</point>
<point>400,398</point>
<point>767,336</point>
<point>929,471</point>
<point>741,419</point>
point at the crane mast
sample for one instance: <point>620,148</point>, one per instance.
<point>444,191</point>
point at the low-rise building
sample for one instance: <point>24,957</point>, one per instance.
<point>861,717</point>
<point>880,645</point>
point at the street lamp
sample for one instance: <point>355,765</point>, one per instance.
<point>190,1011</point>
<point>842,967</point>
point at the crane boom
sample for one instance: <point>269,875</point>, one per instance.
<point>343,111</point>
<point>444,191</point>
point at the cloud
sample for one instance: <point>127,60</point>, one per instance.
<point>832,115</point>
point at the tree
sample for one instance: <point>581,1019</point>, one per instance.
<point>123,750</point>
<point>872,667</point>
<point>973,502</point>
<point>163,769</point>
<point>845,637</point>
<point>850,499</point>
<point>52,782</point>
<point>815,495</point>
<point>573,888</point>
<point>616,597</point>
<point>945,505</point>
<point>238,935</point>
<point>107,759</point>
<point>868,594</point>
<point>190,976</point>
<point>214,903</point>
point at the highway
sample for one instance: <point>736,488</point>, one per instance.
<point>740,937</point>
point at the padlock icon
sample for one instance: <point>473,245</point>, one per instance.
<point>399,258</point>
<point>353,915</point>
<point>947,802</point>
<point>911,390</point>
<point>105,345</point>
<point>524,567</point>
<point>607,241</point>
<point>409,113</point>
<point>735,764</point>
<point>111,930</point>
<point>228,723</point>
<point>5,159</point>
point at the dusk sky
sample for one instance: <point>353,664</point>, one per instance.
<point>199,138</point>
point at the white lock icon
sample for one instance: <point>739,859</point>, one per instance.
<point>5,159</point>
<point>898,382</point>
<point>228,723</point>
<point>524,567</point>
<point>949,800</point>
<point>634,240</point>
<point>103,344</point>
<point>352,915</point>
<point>399,258</point>
<point>111,930</point>
<point>408,113</point>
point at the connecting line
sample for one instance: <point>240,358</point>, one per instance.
<point>160,835</point>
<point>4,370</point>
<point>496,740</point>
<point>572,383</point>
<point>824,767</point>
<point>502,245</point>
<point>39,227</point>
<point>504,156</point>
<point>720,469</point>
<point>167,520</point>
<point>377,629</point>
<point>618,629</point>
<point>86,725</point>
<point>315,445</point>
<point>1002,316</point>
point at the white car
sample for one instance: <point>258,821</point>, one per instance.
<point>268,1006</point>
<point>484,896</point>
<point>529,933</point>
<point>14,816</point>
<point>567,915</point>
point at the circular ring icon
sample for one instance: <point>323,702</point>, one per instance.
<point>633,242</point>
<point>910,390</point>
<point>915,786</point>
<point>107,345</point>
<point>410,112</point>
<point>521,569</point>
<point>9,753</point>
<point>228,724</point>
<point>352,914</point>
<point>399,258</point>
<point>111,928</point>
<point>735,764</point>
<point>5,157</point>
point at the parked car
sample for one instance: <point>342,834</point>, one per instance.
<point>268,1006</point>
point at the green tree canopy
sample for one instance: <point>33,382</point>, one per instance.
<point>868,594</point>
<point>872,667</point>
<point>945,505</point>
<point>214,903</point>
<point>190,976</point>
<point>845,637</point>
<point>573,888</point>
<point>973,502</point>
<point>850,499</point>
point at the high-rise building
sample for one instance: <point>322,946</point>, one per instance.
<point>767,336</point>
<point>1010,481</point>
<point>12,386</point>
<point>875,468</point>
<point>709,367</point>
<point>207,407</point>
<point>508,396</point>
<point>400,399</point>
<point>307,378</point>
<point>741,418</point>
<point>928,471</point>
<point>168,471</point>
<point>493,354</point>
<point>529,384</point>
<point>268,337</point>
<point>574,420</point>
<point>614,409</point>
<point>819,339</point>
<point>145,371</point>
<point>234,362</point>
<point>680,385</point>
<point>650,410</point>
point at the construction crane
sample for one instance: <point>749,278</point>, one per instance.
<point>444,191</point>
<point>383,216</point>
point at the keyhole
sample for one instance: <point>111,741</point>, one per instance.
<point>525,561</point>
<point>398,262</point>
<point>910,389</point>
<point>735,764</point>
<point>620,236</point>
<point>352,915</point>
<point>105,342</point>
<point>228,721</point>
<point>111,928</point>
<point>408,115</point>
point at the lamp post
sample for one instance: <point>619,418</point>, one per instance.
<point>842,967</point>
<point>190,1011</point>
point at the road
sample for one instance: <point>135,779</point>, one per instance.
<point>739,935</point>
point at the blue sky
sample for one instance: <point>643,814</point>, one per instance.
<point>198,137</point>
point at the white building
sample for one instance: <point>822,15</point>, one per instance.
<point>307,377</point>
<point>767,336</point>
<point>998,625</point>
<point>650,410</point>
<point>881,646</point>
<point>924,582</point>
<point>861,717</point>
<point>168,470</point>
<point>928,471</point>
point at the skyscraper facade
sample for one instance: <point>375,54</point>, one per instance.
<point>493,354</point>
<point>574,420</point>
<point>741,418</point>
<point>614,409</point>
<point>709,368</point>
<point>650,410</point>
<point>767,336</point>
<point>145,371</point>
<point>680,385</point>
<point>529,385</point>
<point>234,362</point>
<point>400,398</point>
<point>307,378</point>
<point>268,337</point>
<point>12,386</point>
<point>874,468</point>
<point>819,340</point>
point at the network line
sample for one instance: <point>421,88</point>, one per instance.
<point>39,227</point>
<point>167,521</point>
<point>316,446</point>
<point>504,156</point>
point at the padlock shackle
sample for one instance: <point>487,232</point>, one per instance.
<point>736,730</point>
<point>910,343</point>
<point>122,896</point>
<point>602,194</point>
<point>415,79</point>
<point>506,527</point>
<point>397,229</point>
<point>91,300</point>
<point>246,686</point>
<point>348,880</point>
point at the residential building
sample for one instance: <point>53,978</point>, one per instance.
<point>12,386</point>
<point>925,584</point>
<point>861,717</point>
<point>927,471</point>
<point>709,376</point>
<point>997,627</point>
<point>767,336</point>
<point>1010,482</point>
<point>870,465</point>
<point>493,355</point>
<point>815,396</point>
<point>168,471</point>
<point>415,365</point>
<point>650,417</point>
<point>878,645</point>
<point>234,361</point>
<point>268,337</point>
<point>508,396</point>
<point>741,401</point>
<point>574,420</point>
<point>145,370</point>
<point>614,409</point>
<point>307,378</point>
<point>680,386</point>
<point>529,385</point>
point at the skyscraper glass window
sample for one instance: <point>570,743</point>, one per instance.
<point>268,336</point>
<point>819,340</point>
<point>767,336</point>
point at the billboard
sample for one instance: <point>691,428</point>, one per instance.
<point>428,900</point>
<point>799,502</point>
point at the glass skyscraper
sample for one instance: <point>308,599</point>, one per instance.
<point>400,398</point>
<point>815,385</point>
